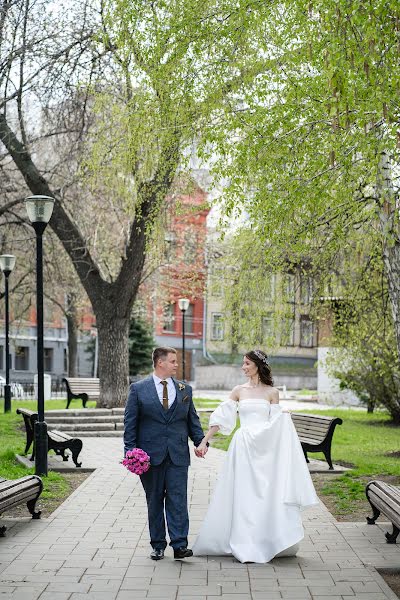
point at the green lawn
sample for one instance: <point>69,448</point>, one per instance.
<point>364,443</point>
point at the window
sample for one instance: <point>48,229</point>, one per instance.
<point>216,282</point>
<point>306,290</point>
<point>290,289</point>
<point>170,246</point>
<point>267,327</point>
<point>169,317</point>
<point>270,293</point>
<point>189,319</point>
<point>287,336</point>
<point>190,248</point>
<point>2,366</point>
<point>48,359</point>
<point>306,332</point>
<point>21,358</point>
<point>217,326</point>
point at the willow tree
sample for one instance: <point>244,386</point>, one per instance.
<point>136,84</point>
<point>315,155</point>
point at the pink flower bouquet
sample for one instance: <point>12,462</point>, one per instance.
<point>137,461</point>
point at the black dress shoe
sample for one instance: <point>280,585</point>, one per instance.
<point>157,554</point>
<point>182,552</point>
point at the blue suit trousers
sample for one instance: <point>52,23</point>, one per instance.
<point>165,486</point>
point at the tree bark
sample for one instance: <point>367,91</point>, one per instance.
<point>113,359</point>
<point>72,327</point>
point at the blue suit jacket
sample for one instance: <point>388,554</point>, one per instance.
<point>149,427</point>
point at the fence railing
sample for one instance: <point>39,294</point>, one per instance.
<point>27,390</point>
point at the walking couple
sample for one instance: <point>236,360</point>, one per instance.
<point>264,483</point>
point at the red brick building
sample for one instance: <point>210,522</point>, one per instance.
<point>182,275</point>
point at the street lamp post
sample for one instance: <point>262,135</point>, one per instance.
<point>183,305</point>
<point>7,262</point>
<point>39,209</point>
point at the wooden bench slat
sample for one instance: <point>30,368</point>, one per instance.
<point>386,499</point>
<point>311,430</point>
<point>311,436</point>
<point>15,500</point>
<point>305,416</point>
<point>385,503</point>
<point>391,490</point>
<point>311,441</point>
<point>311,425</point>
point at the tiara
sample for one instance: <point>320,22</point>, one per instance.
<point>261,356</point>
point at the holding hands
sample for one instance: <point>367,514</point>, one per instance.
<point>202,449</point>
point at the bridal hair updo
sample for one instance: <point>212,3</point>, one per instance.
<point>260,359</point>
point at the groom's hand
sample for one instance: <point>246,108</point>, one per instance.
<point>201,450</point>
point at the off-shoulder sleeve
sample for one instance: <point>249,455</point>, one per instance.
<point>225,416</point>
<point>275,411</point>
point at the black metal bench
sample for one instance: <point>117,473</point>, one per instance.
<point>80,387</point>
<point>315,433</point>
<point>13,492</point>
<point>384,498</point>
<point>56,440</point>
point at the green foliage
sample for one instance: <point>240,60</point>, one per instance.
<point>312,162</point>
<point>176,68</point>
<point>366,359</point>
<point>305,162</point>
<point>141,344</point>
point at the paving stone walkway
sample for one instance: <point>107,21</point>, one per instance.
<point>95,547</point>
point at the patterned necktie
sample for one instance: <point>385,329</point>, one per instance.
<point>165,394</point>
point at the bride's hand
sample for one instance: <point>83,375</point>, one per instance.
<point>201,449</point>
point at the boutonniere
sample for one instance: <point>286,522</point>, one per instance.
<point>181,386</point>
<point>185,398</point>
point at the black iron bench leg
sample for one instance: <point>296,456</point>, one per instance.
<point>327,454</point>
<point>31,507</point>
<point>3,530</point>
<point>84,397</point>
<point>375,514</point>
<point>305,454</point>
<point>76,447</point>
<point>29,440</point>
<point>392,537</point>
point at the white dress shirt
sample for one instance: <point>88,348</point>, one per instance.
<point>160,389</point>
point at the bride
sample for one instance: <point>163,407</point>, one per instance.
<point>264,483</point>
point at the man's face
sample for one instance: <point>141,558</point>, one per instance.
<point>168,366</point>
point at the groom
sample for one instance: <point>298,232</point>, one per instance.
<point>159,418</point>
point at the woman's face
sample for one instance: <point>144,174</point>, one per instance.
<point>249,368</point>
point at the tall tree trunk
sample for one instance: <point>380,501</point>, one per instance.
<point>72,328</point>
<point>113,335</point>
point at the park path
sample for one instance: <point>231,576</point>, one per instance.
<point>95,547</point>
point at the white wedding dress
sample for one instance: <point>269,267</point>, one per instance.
<point>264,483</point>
